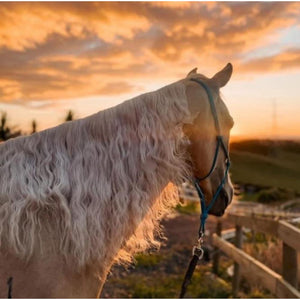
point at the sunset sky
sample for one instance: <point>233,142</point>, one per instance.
<point>90,56</point>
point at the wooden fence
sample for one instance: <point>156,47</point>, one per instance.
<point>283,286</point>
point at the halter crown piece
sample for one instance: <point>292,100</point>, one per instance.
<point>197,249</point>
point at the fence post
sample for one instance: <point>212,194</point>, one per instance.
<point>236,274</point>
<point>290,265</point>
<point>216,256</point>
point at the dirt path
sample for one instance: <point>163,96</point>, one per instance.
<point>163,278</point>
<point>183,229</point>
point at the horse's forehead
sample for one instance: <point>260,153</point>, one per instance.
<point>196,94</point>
<point>223,112</point>
<point>201,77</point>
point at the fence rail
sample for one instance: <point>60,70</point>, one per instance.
<point>283,286</point>
<point>288,233</point>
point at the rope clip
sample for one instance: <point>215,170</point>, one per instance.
<point>197,249</point>
<point>198,252</point>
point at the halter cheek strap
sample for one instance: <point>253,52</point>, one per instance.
<point>205,209</point>
<point>197,249</point>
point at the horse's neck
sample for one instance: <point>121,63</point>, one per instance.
<point>152,163</point>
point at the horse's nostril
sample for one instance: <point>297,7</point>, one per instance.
<point>224,197</point>
<point>226,200</point>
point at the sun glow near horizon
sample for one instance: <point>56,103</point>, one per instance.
<point>90,56</point>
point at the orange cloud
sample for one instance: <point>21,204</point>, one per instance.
<point>287,60</point>
<point>59,50</point>
<point>26,25</point>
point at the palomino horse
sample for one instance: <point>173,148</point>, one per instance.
<point>79,197</point>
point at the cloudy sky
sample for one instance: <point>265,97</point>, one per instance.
<point>90,56</point>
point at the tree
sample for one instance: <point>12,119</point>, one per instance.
<point>5,131</point>
<point>33,126</point>
<point>70,116</point>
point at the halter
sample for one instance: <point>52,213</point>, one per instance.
<point>220,142</point>
<point>197,249</point>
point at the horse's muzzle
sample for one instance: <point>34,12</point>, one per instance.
<point>224,199</point>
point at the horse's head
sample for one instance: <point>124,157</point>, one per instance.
<point>209,137</point>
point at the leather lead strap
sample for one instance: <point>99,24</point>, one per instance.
<point>188,275</point>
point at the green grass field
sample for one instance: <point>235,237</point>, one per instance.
<point>266,164</point>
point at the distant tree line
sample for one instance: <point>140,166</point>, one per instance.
<point>7,132</point>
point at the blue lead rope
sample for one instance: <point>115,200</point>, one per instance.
<point>198,250</point>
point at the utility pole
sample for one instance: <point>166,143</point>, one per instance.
<point>274,119</point>
<point>276,145</point>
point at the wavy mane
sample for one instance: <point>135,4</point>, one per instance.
<point>98,184</point>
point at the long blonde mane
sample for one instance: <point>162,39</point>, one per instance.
<point>95,183</point>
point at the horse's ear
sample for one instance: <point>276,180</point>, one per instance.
<point>221,78</point>
<point>194,71</point>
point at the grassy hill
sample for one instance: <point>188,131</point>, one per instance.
<point>266,163</point>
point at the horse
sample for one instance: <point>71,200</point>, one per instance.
<point>77,198</point>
